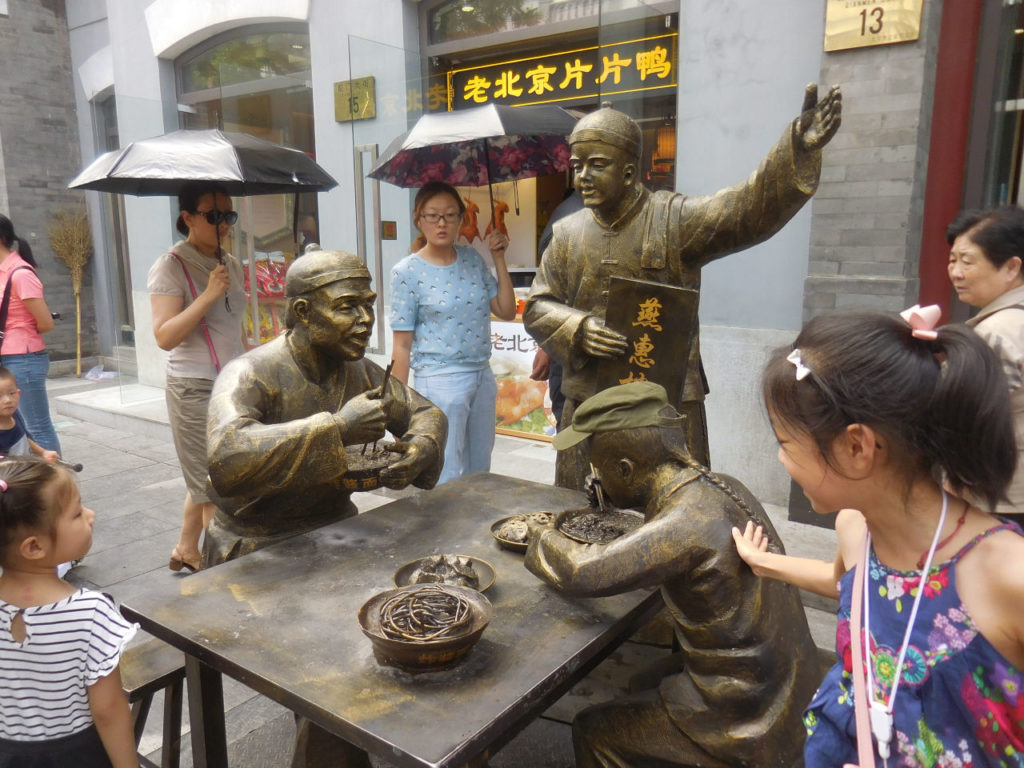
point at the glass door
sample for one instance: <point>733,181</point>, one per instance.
<point>386,95</point>
<point>1003,178</point>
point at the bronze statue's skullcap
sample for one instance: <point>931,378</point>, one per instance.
<point>320,268</point>
<point>609,126</point>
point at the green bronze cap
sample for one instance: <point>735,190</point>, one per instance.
<point>609,126</point>
<point>319,268</point>
<point>626,406</point>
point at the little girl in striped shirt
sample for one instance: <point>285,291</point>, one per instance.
<point>61,700</point>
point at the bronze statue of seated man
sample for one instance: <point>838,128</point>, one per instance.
<point>280,418</point>
<point>747,664</point>
<point>282,414</point>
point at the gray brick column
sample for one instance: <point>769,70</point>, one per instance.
<point>39,146</point>
<point>866,215</point>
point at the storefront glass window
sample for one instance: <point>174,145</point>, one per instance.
<point>258,82</point>
<point>459,19</point>
<point>639,71</point>
<point>236,61</point>
<point>572,54</point>
<point>1003,176</point>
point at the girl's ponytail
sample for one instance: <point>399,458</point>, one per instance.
<point>942,405</point>
<point>969,423</point>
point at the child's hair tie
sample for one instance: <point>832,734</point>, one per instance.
<point>801,369</point>
<point>922,321</point>
<point>3,484</point>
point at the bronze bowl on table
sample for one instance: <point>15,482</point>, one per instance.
<point>420,655</point>
<point>505,543</point>
<point>365,463</point>
<point>436,569</point>
<point>590,525</point>
<point>498,529</point>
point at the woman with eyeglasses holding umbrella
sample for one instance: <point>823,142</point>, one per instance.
<point>198,305</point>
<point>442,297</point>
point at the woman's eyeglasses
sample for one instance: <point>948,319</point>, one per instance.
<point>216,217</point>
<point>434,218</point>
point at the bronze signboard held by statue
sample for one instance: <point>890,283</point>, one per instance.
<point>658,322</point>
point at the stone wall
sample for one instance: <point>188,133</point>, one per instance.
<point>866,224</point>
<point>39,151</point>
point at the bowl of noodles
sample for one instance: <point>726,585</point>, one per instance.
<point>424,626</point>
<point>365,463</point>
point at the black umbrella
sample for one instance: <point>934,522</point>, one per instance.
<point>243,164</point>
<point>480,145</point>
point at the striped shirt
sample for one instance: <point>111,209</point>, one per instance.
<point>69,645</point>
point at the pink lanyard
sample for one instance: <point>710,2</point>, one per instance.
<point>202,320</point>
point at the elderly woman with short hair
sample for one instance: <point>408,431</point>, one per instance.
<point>985,266</point>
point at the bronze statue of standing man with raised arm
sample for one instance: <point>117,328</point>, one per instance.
<point>627,231</point>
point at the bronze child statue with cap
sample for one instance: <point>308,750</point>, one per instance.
<point>734,693</point>
<point>281,415</point>
<point>664,237</point>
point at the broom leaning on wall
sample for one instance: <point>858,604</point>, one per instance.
<point>71,240</point>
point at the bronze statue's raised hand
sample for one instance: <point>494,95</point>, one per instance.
<point>363,419</point>
<point>600,341</point>
<point>416,457</point>
<point>819,120</point>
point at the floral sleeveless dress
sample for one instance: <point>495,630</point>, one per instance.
<point>960,704</point>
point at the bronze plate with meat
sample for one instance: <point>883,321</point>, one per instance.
<point>513,533</point>
<point>457,570</point>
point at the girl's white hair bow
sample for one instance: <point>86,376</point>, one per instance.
<point>801,369</point>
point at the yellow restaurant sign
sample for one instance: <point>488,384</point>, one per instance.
<point>582,74</point>
<point>862,23</point>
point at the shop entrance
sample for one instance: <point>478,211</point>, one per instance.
<point>488,52</point>
<point>258,81</point>
<point>995,173</point>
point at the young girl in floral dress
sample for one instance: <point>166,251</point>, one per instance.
<point>871,413</point>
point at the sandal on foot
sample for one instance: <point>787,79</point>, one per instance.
<point>177,562</point>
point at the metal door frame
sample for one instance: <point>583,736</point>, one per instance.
<point>378,247</point>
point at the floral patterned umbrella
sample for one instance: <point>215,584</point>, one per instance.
<point>478,146</point>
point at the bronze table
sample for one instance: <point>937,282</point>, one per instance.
<point>282,620</point>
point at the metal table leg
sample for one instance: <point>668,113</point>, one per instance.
<point>206,715</point>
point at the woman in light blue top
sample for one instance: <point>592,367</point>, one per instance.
<point>442,297</point>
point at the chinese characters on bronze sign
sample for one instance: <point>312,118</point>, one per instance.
<point>658,322</point>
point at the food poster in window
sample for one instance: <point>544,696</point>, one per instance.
<point>524,405</point>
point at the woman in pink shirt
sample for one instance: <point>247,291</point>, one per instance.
<point>23,351</point>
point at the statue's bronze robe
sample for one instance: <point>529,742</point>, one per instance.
<point>749,664</point>
<point>277,454</point>
<point>664,238</point>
